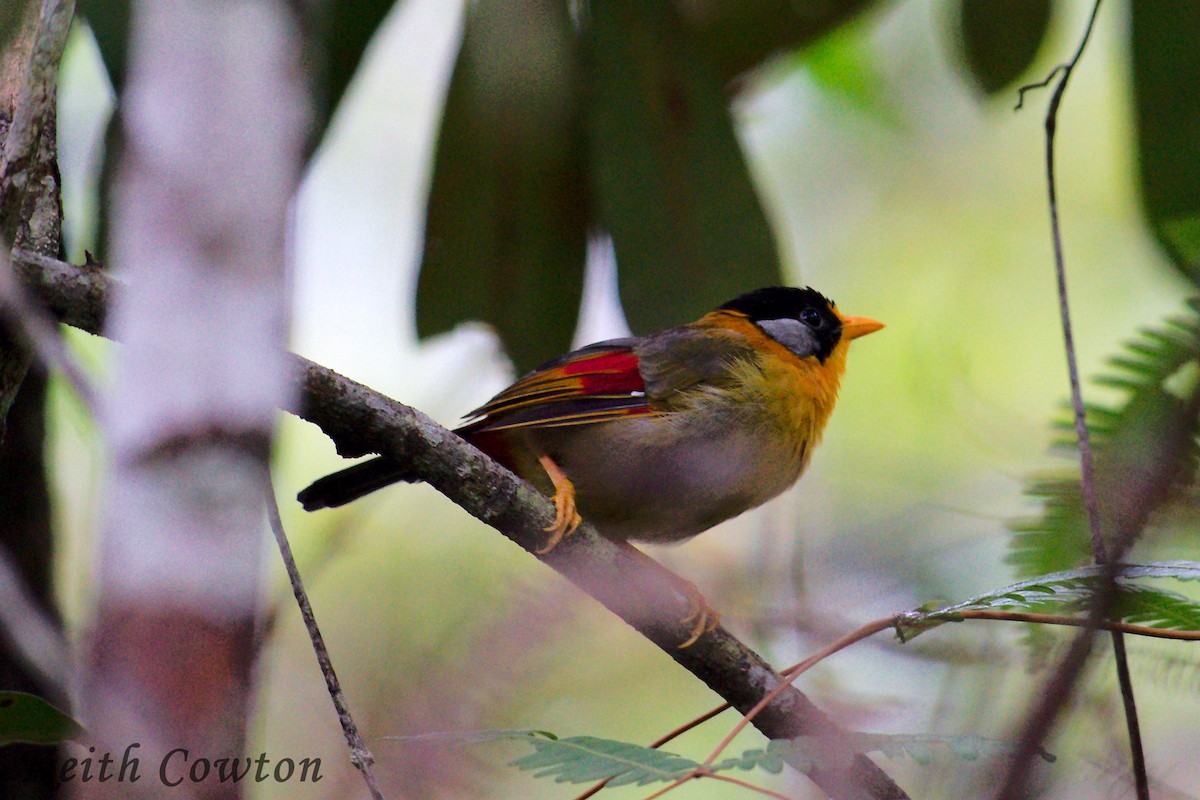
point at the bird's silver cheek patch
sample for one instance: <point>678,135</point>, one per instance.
<point>792,334</point>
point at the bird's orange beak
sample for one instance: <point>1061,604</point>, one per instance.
<point>854,327</point>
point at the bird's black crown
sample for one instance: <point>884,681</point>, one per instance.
<point>807,305</point>
<point>777,302</point>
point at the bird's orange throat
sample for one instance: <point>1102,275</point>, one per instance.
<point>824,380</point>
<point>799,393</point>
<point>812,394</point>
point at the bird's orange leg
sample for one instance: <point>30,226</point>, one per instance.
<point>566,518</point>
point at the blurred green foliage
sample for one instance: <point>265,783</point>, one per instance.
<point>670,180</point>
<point>337,35</point>
<point>1000,40</point>
<point>1166,93</point>
<point>339,32</point>
<point>109,21</point>
<point>507,217</point>
<point>30,719</point>
<point>564,120</point>
<point>664,173</point>
<point>1145,453</point>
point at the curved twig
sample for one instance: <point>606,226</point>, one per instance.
<point>1055,696</point>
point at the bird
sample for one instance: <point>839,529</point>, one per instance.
<point>660,437</point>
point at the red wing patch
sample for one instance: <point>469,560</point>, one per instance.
<point>596,384</point>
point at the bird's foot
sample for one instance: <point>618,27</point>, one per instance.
<point>566,517</point>
<point>703,617</point>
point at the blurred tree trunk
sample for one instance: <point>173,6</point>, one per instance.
<point>26,771</point>
<point>215,115</point>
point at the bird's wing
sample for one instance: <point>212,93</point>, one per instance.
<point>597,383</point>
<point>677,360</point>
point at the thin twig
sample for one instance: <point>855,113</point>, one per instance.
<point>1137,752</point>
<point>670,736</point>
<point>1081,622</point>
<point>41,331</point>
<point>887,622</point>
<point>858,634</point>
<point>331,548</point>
<point>693,723</point>
<point>745,785</point>
<point>1050,706</point>
<point>360,754</point>
<point>705,773</point>
<point>1091,501</point>
<point>1042,84</point>
<point>671,786</point>
<point>843,642</point>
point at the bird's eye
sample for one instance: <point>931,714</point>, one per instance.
<point>811,317</point>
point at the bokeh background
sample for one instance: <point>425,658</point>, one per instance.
<point>893,186</point>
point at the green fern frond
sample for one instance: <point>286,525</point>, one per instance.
<point>584,759</point>
<point>769,760</point>
<point>1145,450</point>
<point>1071,590</point>
<point>922,748</point>
<point>1157,608</point>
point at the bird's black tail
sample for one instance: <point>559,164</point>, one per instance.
<point>352,483</point>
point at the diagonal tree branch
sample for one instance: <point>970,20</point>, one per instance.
<point>360,420</point>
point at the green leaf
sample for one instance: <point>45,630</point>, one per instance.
<point>1157,608</point>
<point>341,32</point>
<point>1182,236</point>
<point>507,217</point>
<point>109,21</point>
<point>29,719</point>
<point>583,759</point>
<point>670,179</point>
<point>1069,586</point>
<point>844,65</point>
<point>1135,604</point>
<point>1176,569</point>
<point>338,33</point>
<point>768,760</point>
<point>738,35</point>
<point>999,40</point>
<point>1166,94</point>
